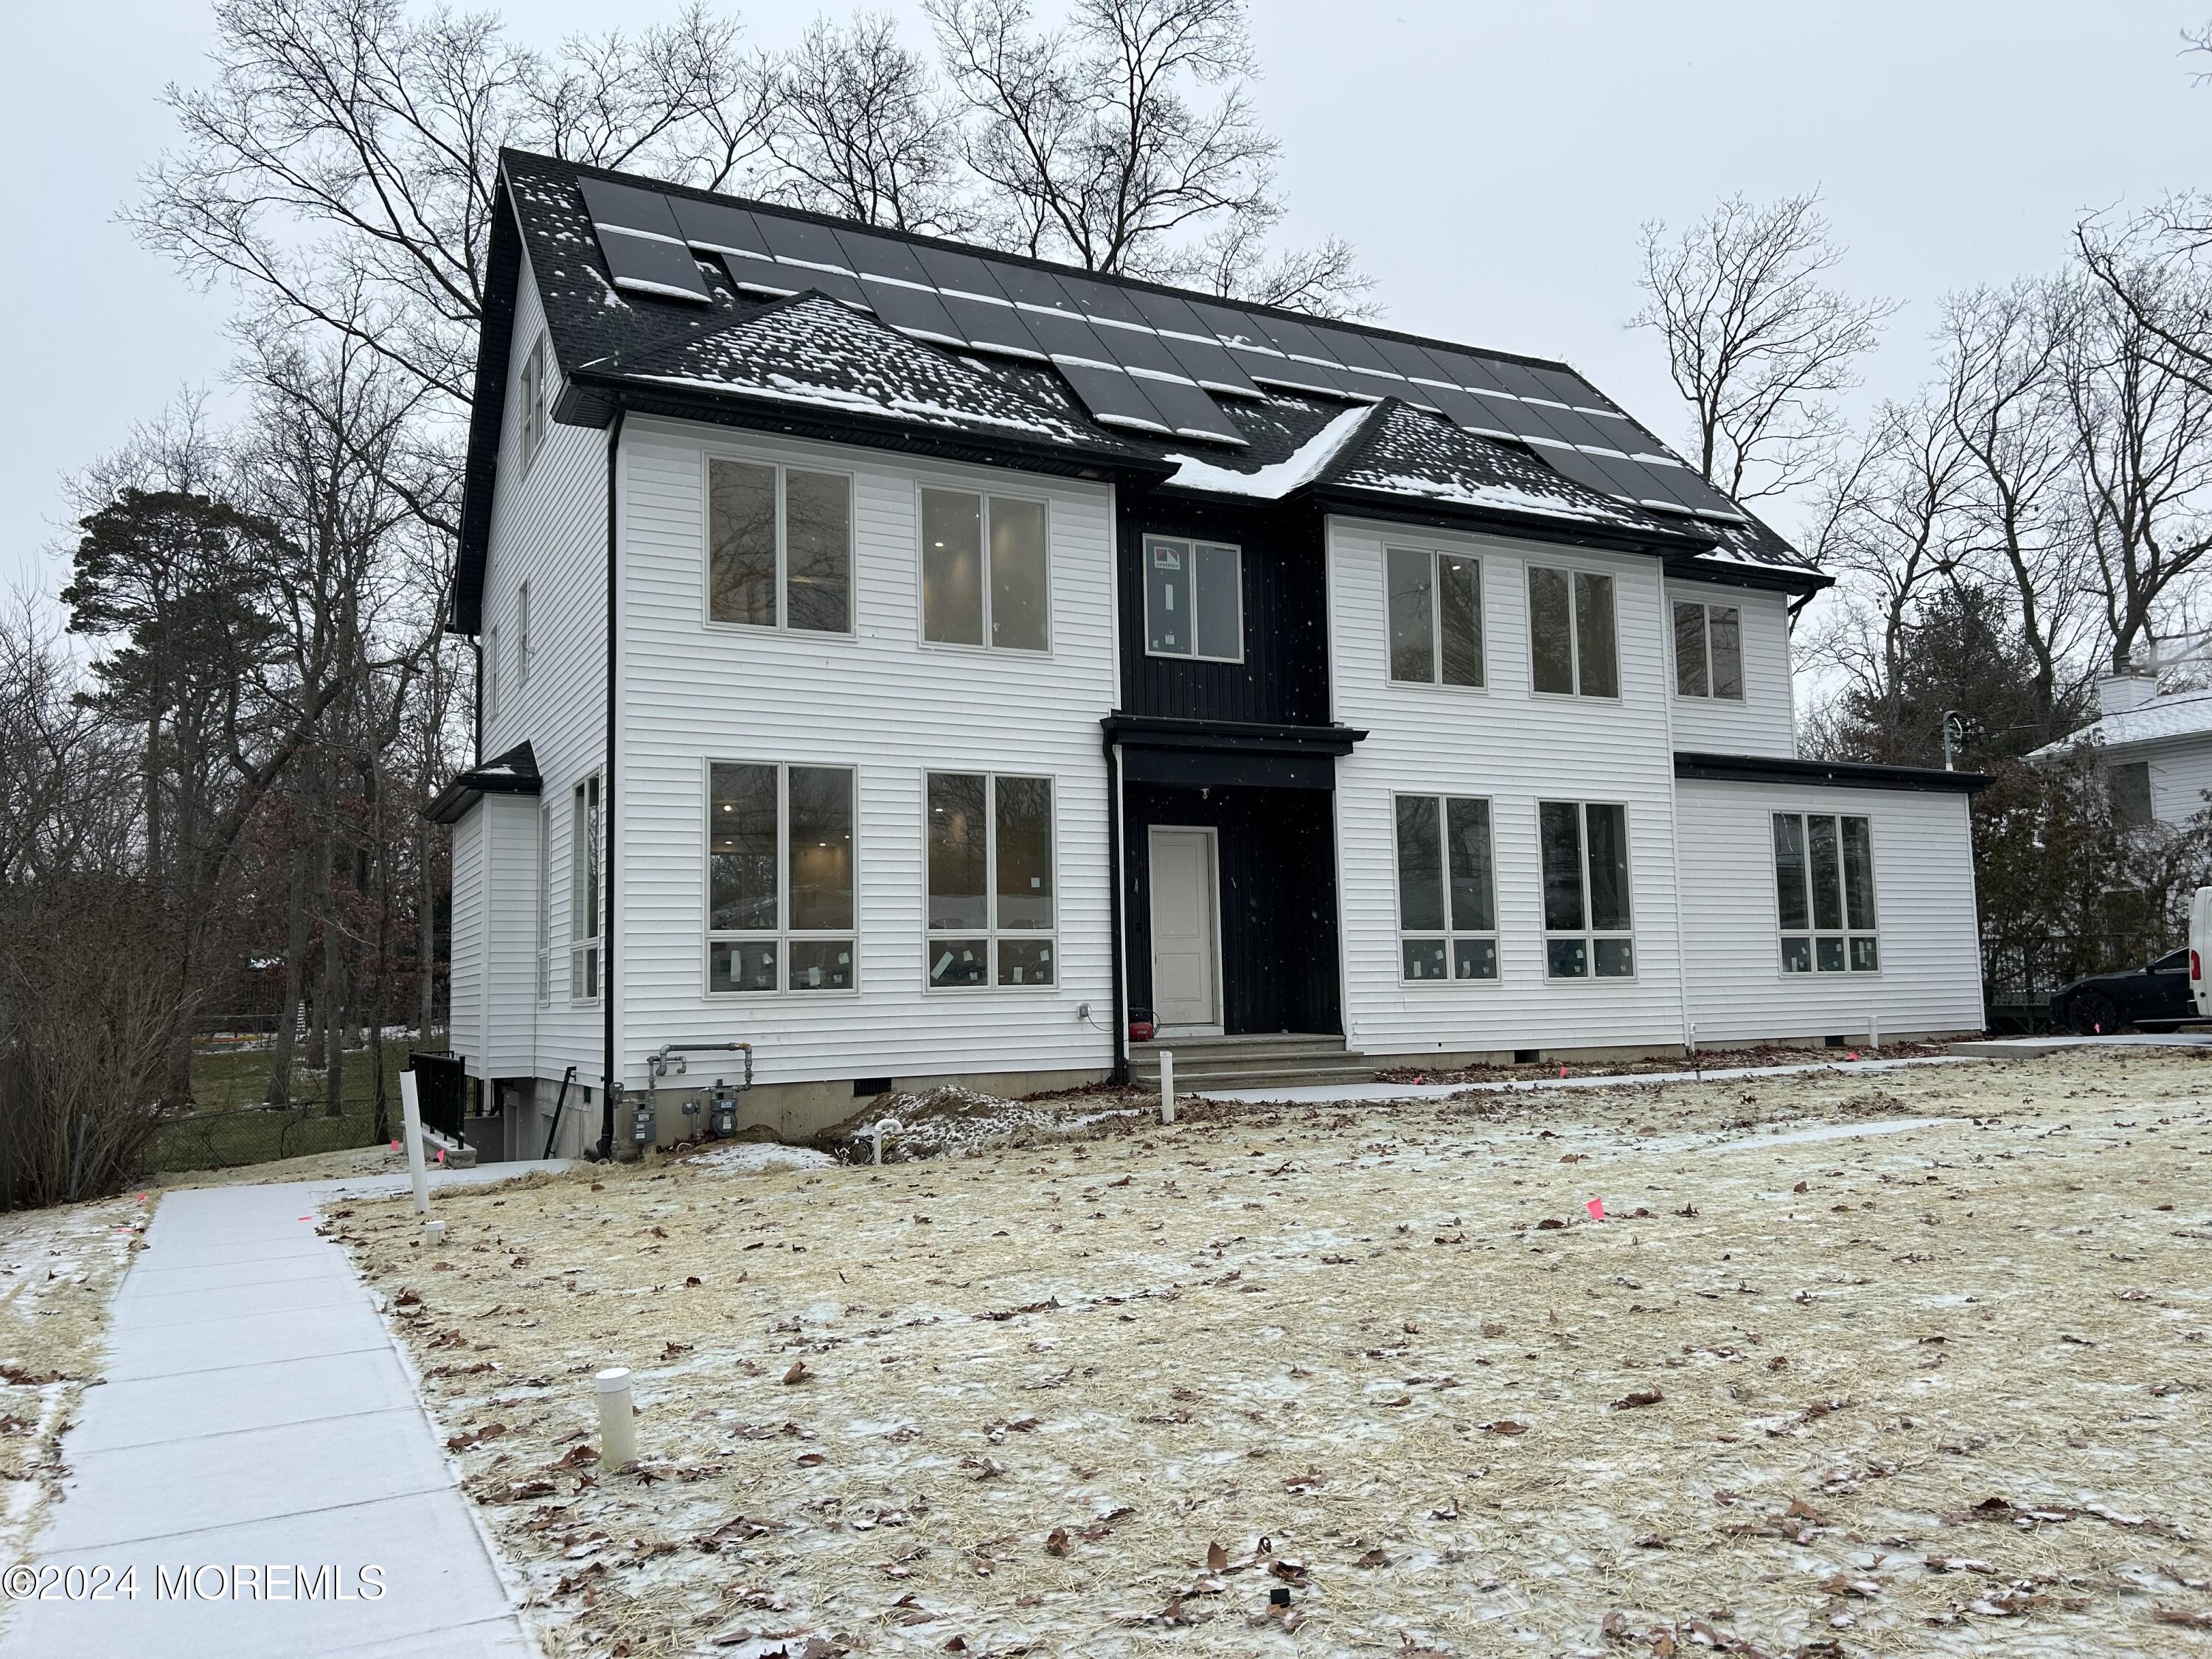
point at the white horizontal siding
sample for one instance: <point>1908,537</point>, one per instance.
<point>510,933</point>
<point>2180,775</point>
<point>549,528</point>
<point>1930,978</point>
<point>885,704</point>
<point>1764,722</point>
<point>1517,748</point>
<point>465,983</point>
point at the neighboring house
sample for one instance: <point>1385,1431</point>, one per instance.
<point>2156,751</point>
<point>916,661</point>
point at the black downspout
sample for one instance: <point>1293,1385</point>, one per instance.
<point>1120,1075</point>
<point>607,840</point>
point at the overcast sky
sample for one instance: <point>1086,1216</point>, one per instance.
<point>1492,162</point>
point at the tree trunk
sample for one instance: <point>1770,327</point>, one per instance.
<point>284,1044</point>
<point>426,943</point>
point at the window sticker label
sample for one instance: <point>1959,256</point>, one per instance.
<point>1166,558</point>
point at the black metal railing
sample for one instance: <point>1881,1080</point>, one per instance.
<point>441,1085</point>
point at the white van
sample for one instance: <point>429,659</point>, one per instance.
<point>2200,951</point>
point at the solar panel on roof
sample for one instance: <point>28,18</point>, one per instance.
<point>1358,356</point>
<point>650,265</point>
<point>638,235</point>
<point>1572,389</point>
<point>986,320</point>
<point>1190,411</point>
<point>813,256</point>
<point>1266,359</point>
<point>632,209</point>
<point>1113,397</point>
<point>915,311</point>
<point>760,274</point>
<point>717,229</point>
<point>1592,472</point>
<point>1195,346</point>
<point>1140,350</point>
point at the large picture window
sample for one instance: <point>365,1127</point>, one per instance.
<point>1571,640</point>
<point>1588,930</point>
<point>1708,651</point>
<point>1436,617</point>
<point>1194,599</point>
<point>779,547</point>
<point>780,878</point>
<point>584,906</point>
<point>1824,893</point>
<point>1447,889</point>
<point>983,571</point>
<point>531,400</point>
<point>991,914</point>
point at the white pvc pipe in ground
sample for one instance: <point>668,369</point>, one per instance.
<point>617,1419</point>
<point>1167,1086</point>
<point>411,1119</point>
<point>1873,1030</point>
<point>878,1132</point>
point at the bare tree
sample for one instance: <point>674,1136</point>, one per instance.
<point>1757,342</point>
<point>1125,141</point>
<point>341,165</point>
<point>863,132</point>
<point>2142,452</point>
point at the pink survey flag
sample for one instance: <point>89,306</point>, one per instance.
<point>1596,1207</point>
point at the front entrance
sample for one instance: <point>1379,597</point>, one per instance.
<point>1186,929</point>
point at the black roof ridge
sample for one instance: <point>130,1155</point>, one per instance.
<point>1362,435</point>
<point>951,245</point>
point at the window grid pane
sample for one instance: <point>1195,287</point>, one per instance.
<point>1218,580</point>
<point>817,510</point>
<point>1024,827</point>
<point>1790,902</point>
<point>741,543</point>
<point>959,851</point>
<point>741,832</point>
<point>1420,864</point>
<point>819,811</point>
<point>1727,629</point>
<point>992,892</point>
<point>952,567</point>
<point>1167,600</point>
<point>1559,826</point>
<point>1596,664</point>
<point>1473,885</point>
<point>779,856</point>
<point>1412,617</point>
<point>1858,873</point>
<point>1019,578</point>
<point>1444,868</point>
<point>1459,619</point>
<point>1827,873</point>
<point>1586,890</point>
<point>1690,680</point>
<point>1550,630</point>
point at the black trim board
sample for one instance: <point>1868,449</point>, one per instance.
<point>514,772</point>
<point>1353,503</point>
<point>1837,775</point>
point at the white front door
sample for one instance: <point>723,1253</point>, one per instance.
<point>1186,967</point>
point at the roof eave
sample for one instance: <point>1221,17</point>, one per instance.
<point>1426,510</point>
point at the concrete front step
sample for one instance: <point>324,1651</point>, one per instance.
<point>1258,1060</point>
<point>1303,1076</point>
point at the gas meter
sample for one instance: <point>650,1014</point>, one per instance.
<point>722,1113</point>
<point>641,1122</point>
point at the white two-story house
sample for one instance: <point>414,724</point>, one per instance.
<point>921,664</point>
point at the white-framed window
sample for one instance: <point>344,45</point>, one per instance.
<point>545,901</point>
<point>1572,644</point>
<point>1824,893</point>
<point>1447,889</point>
<point>1708,651</point>
<point>1436,616</point>
<point>778,546</point>
<point>986,563</point>
<point>1588,924</point>
<point>522,636</point>
<point>530,403</point>
<point>993,902</point>
<point>1194,599</point>
<point>491,673</point>
<point>780,878</point>
<point>584,906</point>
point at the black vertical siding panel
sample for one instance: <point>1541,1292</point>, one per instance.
<point>1277,877</point>
<point>1284,678</point>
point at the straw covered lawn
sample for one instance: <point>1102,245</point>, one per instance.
<point>1820,1381</point>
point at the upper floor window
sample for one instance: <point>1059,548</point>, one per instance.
<point>1194,599</point>
<point>1824,893</point>
<point>584,890</point>
<point>990,849</point>
<point>2131,797</point>
<point>1588,927</point>
<point>983,571</point>
<point>780,547</point>
<point>1570,632</point>
<point>522,636</point>
<point>530,401</point>
<point>491,673</point>
<point>1447,889</point>
<point>1708,651</point>
<point>780,877</point>
<point>1436,617</point>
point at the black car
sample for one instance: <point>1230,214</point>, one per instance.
<point>2152,996</point>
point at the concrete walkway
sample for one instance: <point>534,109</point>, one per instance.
<point>1355,1093</point>
<point>256,1417</point>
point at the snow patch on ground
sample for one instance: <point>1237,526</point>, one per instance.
<point>753,1158</point>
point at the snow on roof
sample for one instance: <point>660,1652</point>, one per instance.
<point>2184,714</point>
<point>1278,479</point>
